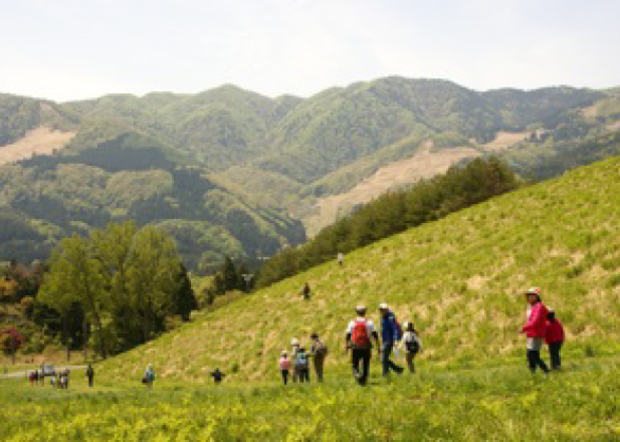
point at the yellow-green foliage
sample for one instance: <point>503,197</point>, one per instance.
<point>460,280</point>
<point>500,405</point>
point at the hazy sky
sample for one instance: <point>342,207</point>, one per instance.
<point>73,49</point>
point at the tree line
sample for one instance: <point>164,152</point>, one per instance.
<point>127,281</point>
<point>394,212</point>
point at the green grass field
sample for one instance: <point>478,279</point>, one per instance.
<point>460,280</point>
<point>502,404</point>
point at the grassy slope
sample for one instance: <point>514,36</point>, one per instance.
<point>459,279</point>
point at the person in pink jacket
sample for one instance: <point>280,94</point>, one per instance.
<point>535,329</point>
<point>555,339</point>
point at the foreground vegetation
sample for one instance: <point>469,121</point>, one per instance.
<point>504,403</point>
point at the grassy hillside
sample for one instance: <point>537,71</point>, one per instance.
<point>460,280</point>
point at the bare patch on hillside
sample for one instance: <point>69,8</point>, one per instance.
<point>39,141</point>
<point>590,111</point>
<point>424,164</point>
<point>613,126</point>
<point>505,140</point>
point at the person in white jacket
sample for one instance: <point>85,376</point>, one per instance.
<point>411,345</point>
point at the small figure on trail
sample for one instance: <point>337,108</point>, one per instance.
<point>391,333</point>
<point>554,339</point>
<point>302,366</point>
<point>53,381</point>
<point>285,366</point>
<point>149,376</point>
<point>306,292</point>
<point>535,329</point>
<point>217,376</point>
<point>31,378</point>
<point>411,344</point>
<point>358,335</point>
<point>340,259</point>
<point>318,352</point>
<point>295,345</point>
<point>90,374</point>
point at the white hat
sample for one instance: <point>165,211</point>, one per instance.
<point>360,308</point>
<point>284,353</point>
<point>294,342</point>
<point>383,306</point>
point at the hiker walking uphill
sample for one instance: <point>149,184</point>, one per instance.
<point>390,334</point>
<point>411,344</point>
<point>306,292</point>
<point>285,366</point>
<point>149,376</point>
<point>295,349</point>
<point>302,367</point>
<point>535,329</point>
<point>217,375</point>
<point>318,352</point>
<point>358,340</point>
<point>554,338</point>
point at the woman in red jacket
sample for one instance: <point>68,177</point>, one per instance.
<point>535,329</point>
<point>555,339</point>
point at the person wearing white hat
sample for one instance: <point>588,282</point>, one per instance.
<point>358,339</point>
<point>535,329</point>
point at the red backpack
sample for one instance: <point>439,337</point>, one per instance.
<point>360,336</point>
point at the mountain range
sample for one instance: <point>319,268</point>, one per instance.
<point>232,172</point>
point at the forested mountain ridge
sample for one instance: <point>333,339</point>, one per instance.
<point>225,169</point>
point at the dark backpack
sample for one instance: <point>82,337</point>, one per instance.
<point>320,349</point>
<point>412,346</point>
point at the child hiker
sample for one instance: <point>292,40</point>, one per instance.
<point>301,366</point>
<point>411,344</point>
<point>285,366</point>
<point>554,339</point>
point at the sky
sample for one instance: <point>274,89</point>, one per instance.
<point>76,49</point>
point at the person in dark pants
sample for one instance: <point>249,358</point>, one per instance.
<point>306,292</point>
<point>285,366</point>
<point>535,329</point>
<point>358,340</point>
<point>90,374</point>
<point>554,339</point>
<point>217,376</point>
<point>390,336</point>
<point>302,366</point>
<point>318,352</point>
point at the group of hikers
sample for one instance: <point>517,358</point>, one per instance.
<point>542,326</point>
<point>59,379</point>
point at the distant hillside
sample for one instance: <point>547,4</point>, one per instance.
<point>460,279</point>
<point>282,159</point>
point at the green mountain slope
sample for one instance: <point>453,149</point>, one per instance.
<point>289,155</point>
<point>460,280</point>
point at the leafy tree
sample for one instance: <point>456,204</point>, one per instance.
<point>184,300</point>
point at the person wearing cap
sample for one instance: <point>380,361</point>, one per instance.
<point>554,338</point>
<point>358,340</point>
<point>295,349</point>
<point>318,351</point>
<point>535,329</point>
<point>285,366</point>
<point>389,336</point>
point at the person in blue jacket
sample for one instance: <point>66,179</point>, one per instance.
<point>390,334</point>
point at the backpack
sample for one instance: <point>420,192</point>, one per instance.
<point>360,336</point>
<point>413,346</point>
<point>321,349</point>
<point>302,360</point>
